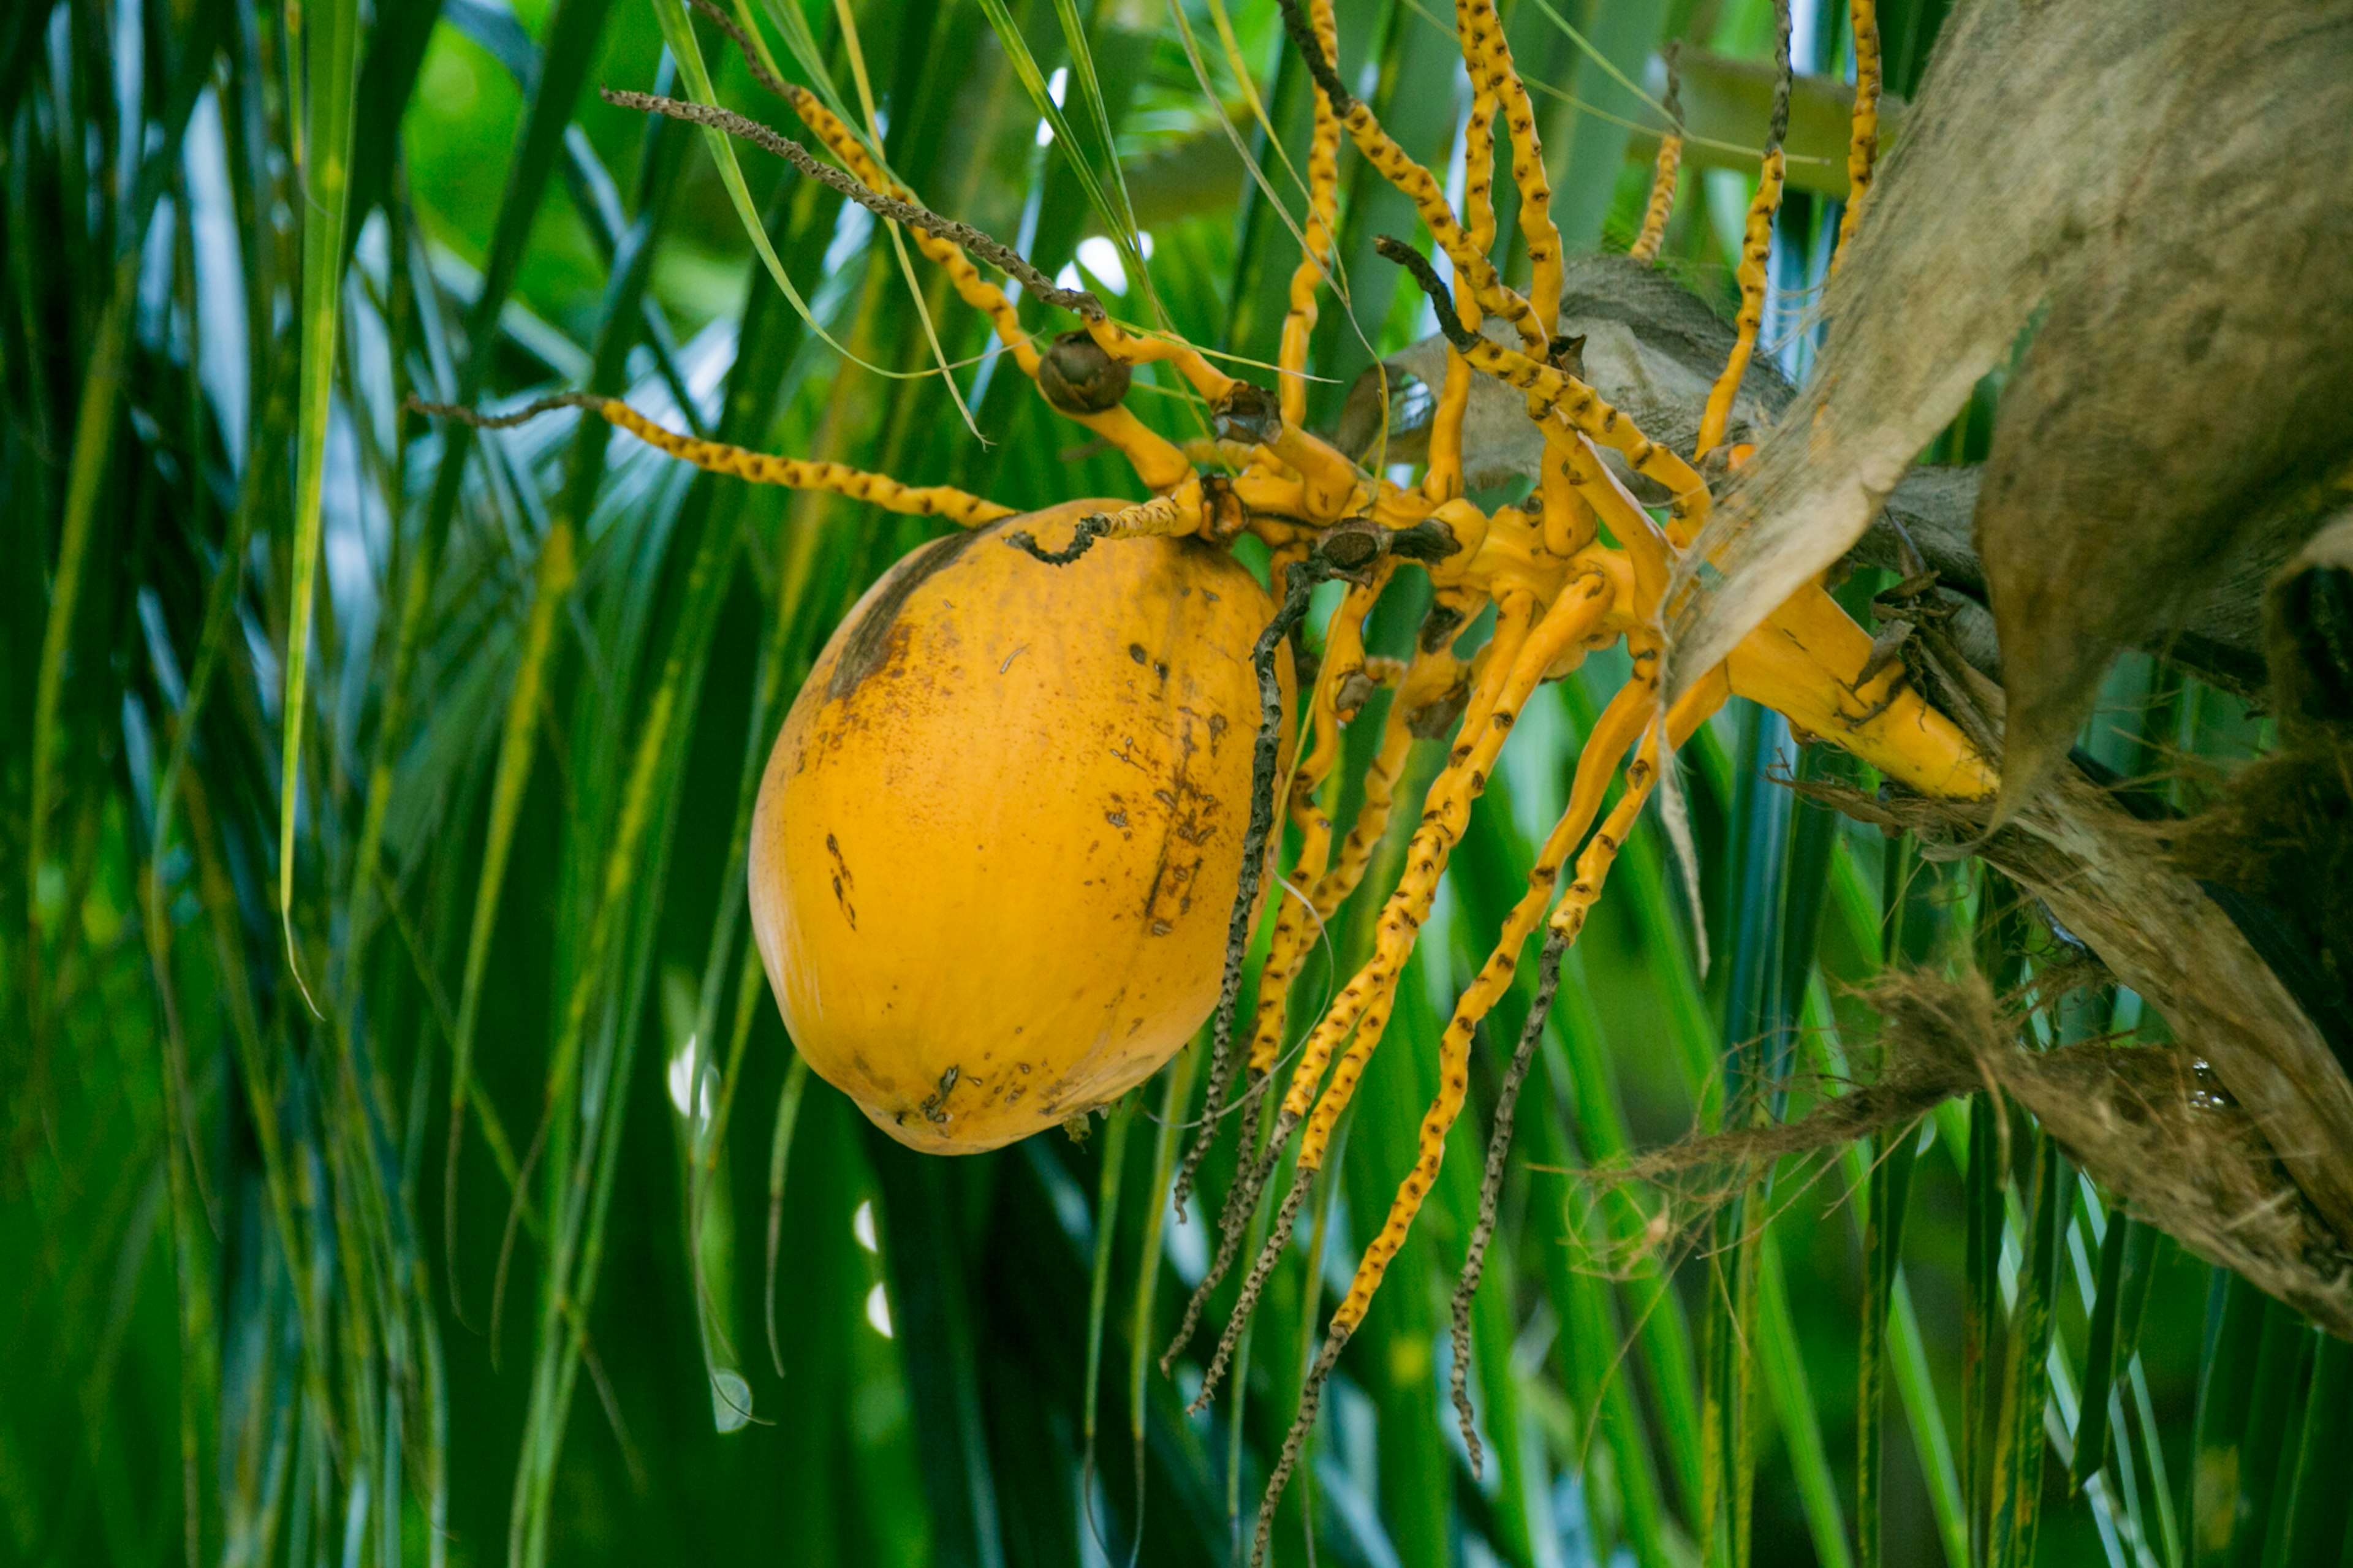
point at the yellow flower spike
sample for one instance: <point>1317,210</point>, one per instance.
<point>1427,680</point>
<point>1862,145</point>
<point>1433,678</point>
<point>1343,656</point>
<point>1333,487</point>
<point>1423,862</point>
<point>1666,171</point>
<point>1495,977</point>
<point>1554,392</point>
<point>1486,49</point>
<point>1157,462</point>
<point>1479,166</point>
<point>1297,925</point>
<point>1665,176</point>
<point>1413,181</point>
<point>1433,674</point>
<point>1621,723</point>
<point>1366,1005</point>
<point>1295,917</point>
<point>1294,926</point>
<point>1153,348</point>
<point>1646,548</point>
<point>1642,778</point>
<point>959,507</point>
<point>1315,257</point>
<point>1575,613</point>
<point>1756,249</point>
<point>1569,521</point>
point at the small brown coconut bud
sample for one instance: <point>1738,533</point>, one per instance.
<point>1248,414</point>
<point>1078,377</point>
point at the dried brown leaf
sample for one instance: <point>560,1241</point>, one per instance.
<point>2046,140</point>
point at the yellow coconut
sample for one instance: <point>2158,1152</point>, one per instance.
<point>997,843</point>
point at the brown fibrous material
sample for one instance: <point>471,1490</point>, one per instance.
<point>2149,1124</point>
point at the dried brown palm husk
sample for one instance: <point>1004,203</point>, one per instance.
<point>2170,184</point>
<point>2149,1124</point>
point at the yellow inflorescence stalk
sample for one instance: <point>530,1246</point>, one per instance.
<point>958,507</point>
<point>1664,176</point>
<point>1132,348</point>
<point>1552,391</point>
<point>1479,166</point>
<point>1862,146</point>
<point>975,291</point>
<point>1300,914</point>
<point>1170,516</point>
<point>1413,181</point>
<point>1488,53</point>
<point>1442,480</point>
<point>1515,661</point>
<point>1450,798</point>
<point>1296,927</point>
<point>1315,255</point>
<point>1426,680</point>
<point>1755,248</point>
<point>1619,724</point>
<point>1637,534</point>
<point>1571,616</point>
<point>1641,777</point>
<point>1570,521</point>
<point>1156,461</point>
<point>1668,170</point>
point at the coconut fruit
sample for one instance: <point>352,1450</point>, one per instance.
<point>997,847</point>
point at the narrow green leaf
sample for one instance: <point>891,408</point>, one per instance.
<point>2253,1371</point>
<point>332,80</point>
<point>1981,1211</point>
<point>2017,1461</point>
<point>2316,1476</point>
<point>780,1149</point>
<point>2100,1361</point>
<point>1142,1337</point>
<point>1890,1190</point>
<point>1114,1160</point>
<point>94,435</point>
<point>1793,1405</point>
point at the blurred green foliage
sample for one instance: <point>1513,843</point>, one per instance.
<point>483,1256</point>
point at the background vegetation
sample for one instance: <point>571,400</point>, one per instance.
<point>474,1208</point>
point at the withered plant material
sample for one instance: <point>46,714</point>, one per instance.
<point>2194,383</point>
<point>2147,1123</point>
<point>2214,627</point>
<point>2281,830</point>
<point>2050,154</point>
<point>2103,877</point>
<point>2282,834</point>
<point>2308,634</point>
